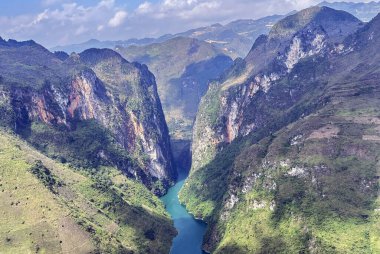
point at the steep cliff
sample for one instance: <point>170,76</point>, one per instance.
<point>251,94</point>
<point>286,148</point>
<point>90,109</point>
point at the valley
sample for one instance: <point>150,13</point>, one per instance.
<point>246,136</point>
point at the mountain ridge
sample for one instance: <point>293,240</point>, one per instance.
<point>269,150</point>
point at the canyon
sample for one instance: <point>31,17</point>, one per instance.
<point>177,145</point>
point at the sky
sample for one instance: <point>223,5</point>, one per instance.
<point>62,22</point>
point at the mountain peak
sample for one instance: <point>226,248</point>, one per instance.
<point>16,44</point>
<point>94,55</point>
<point>322,16</point>
<point>92,41</point>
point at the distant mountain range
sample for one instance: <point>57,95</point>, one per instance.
<point>236,37</point>
<point>363,11</point>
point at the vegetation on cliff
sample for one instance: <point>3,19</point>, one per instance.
<point>294,161</point>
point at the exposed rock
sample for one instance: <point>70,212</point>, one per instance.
<point>311,34</point>
<point>95,85</point>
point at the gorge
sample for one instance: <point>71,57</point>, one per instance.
<point>179,146</point>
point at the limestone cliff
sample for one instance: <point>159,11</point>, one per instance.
<point>286,151</point>
<point>43,94</point>
<point>252,93</point>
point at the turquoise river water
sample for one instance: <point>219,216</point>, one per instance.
<point>190,230</point>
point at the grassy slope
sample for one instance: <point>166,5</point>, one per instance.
<point>74,212</point>
<point>326,216</point>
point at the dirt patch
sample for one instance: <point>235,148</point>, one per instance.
<point>364,120</point>
<point>371,138</point>
<point>328,131</point>
<point>73,239</point>
<point>112,227</point>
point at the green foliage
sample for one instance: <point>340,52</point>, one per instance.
<point>45,176</point>
<point>7,116</point>
<point>88,145</point>
<point>211,105</point>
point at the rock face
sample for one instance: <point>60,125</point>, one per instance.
<point>244,100</point>
<point>285,150</point>
<point>118,98</point>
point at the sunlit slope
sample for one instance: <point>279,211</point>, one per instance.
<point>49,207</point>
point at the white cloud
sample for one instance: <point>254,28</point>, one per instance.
<point>200,9</point>
<point>177,4</point>
<point>117,19</point>
<point>144,8</point>
<point>80,30</point>
<point>40,17</point>
<point>100,28</point>
<point>107,3</point>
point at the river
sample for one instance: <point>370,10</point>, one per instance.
<point>190,230</point>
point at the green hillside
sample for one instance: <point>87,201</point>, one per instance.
<point>50,207</point>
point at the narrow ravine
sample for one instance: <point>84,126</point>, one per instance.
<point>190,230</point>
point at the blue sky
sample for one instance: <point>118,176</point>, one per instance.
<point>59,22</point>
<point>19,7</point>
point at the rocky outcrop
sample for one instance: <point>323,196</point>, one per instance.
<point>96,85</point>
<point>255,81</point>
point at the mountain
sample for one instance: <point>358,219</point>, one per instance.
<point>271,57</point>
<point>185,80</point>
<point>286,143</point>
<point>235,38</point>
<point>80,137</point>
<point>93,43</point>
<point>363,11</point>
<point>92,109</point>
